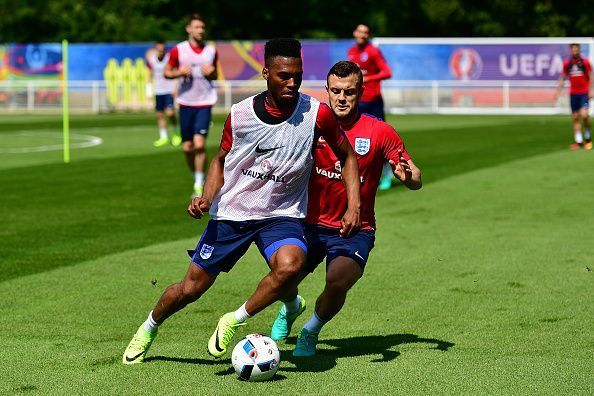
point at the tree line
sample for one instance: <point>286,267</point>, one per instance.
<point>141,20</point>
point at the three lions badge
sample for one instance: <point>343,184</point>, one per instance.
<point>206,251</point>
<point>362,145</point>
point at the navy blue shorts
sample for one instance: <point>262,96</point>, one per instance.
<point>194,120</point>
<point>163,102</point>
<point>224,242</point>
<point>374,108</point>
<point>578,102</point>
<point>327,242</point>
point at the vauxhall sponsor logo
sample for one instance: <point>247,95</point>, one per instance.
<point>263,176</point>
<point>332,175</point>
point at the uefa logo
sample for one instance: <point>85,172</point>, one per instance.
<point>466,64</point>
<point>265,165</point>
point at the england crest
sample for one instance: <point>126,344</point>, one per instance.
<point>362,145</point>
<point>206,251</point>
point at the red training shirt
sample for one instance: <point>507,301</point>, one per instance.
<point>374,68</point>
<point>578,71</point>
<point>374,143</point>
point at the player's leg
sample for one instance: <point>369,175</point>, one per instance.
<point>282,242</point>
<point>293,304</point>
<point>346,261</point>
<point>201,126</point>
<point>176,139</point>
<point>218,250</point>
<point>161,122</point>
<point>576,105</point>
<point>586,119</point>
<point>176,296</point>
<point>187,116</point>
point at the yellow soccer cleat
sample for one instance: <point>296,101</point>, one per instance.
<point>161,142</point>
<point>139,346</point>
<point>226,328</point>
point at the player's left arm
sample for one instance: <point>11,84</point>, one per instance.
<point>328,128</point>
<point>209,71</point>
<point>589,73</point>
<point>384,69</point>
<point>402,164</point>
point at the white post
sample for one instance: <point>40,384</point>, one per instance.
<point>228,96</point>
<point>30,96</point>
<point>435,96</point>
<point>95,96</point>
<point>505,96</point>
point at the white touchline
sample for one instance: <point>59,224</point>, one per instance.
<point>80,141</point>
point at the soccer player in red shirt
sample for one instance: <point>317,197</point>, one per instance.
<point>374,142</point>
<point>375,69</point>
<point>579,72</point>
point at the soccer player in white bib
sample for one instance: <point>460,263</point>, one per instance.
<point>163,89</point>
<point>256,191</point>
<point>194,63</point>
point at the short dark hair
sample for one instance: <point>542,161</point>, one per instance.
<point>286,47</point>
<point>196,17</point>
<point>345,69</point>
<point>160,41</point>
<point>574,44</point>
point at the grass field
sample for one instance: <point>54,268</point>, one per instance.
<point>480,283</point>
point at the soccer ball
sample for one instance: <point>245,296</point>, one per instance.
<point>255,358</point>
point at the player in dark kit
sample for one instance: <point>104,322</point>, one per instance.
<point>579,72</point>
<point>374,142</point>
<point>375,69</point>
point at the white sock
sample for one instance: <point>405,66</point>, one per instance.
<point>577,135</point>
<point>150,325</point>
<point>241,314</point>
<point>587,135</point>
<point>315,324</point>
<point>199,178</point>
<point>163,133</point>
<point>293,306</point>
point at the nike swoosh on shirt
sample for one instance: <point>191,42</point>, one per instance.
<point>260,150</point>
<point>133,358</point>
<point>358,255</point>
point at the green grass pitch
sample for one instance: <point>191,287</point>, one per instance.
<point>480,283</point>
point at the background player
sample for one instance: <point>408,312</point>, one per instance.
<point>374,142</point>
<point>579,71</point>
<point>194,62</point>
<point>163,89</point>
<point>375,69</point>
<point>256,191</point>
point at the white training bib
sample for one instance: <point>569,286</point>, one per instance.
<point>161,85</point>
<point>196,90</point>
<point>267,170</point>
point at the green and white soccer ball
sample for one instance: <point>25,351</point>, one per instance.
<point>256,358</point>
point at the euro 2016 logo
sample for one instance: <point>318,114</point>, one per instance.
<point>466,64</point>
<point>265,166</point>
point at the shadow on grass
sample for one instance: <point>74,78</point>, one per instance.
<point>380,346</point>
<point>210,362</point>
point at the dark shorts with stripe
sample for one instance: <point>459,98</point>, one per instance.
<point>224,242</point>
<point>163,102</point>
<point>578,102</point>
<point>327,242</point>
<point>194,120</point>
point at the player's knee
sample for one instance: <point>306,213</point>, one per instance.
<point>189,292</point>
<point>287,268</point>
<point>188,147</point>
<point>338,285</point>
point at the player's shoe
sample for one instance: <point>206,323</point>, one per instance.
<point>283,323</point>
<point>306,344</point>
<point>588,145</point>
<point>198,190</point>
<point>575,146</point>
<point>161,142</point>
<point>139,346</point>
<point>226,328</point>
<point>385,182</point>
<point>176,140</point>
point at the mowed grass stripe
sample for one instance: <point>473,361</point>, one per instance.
<point>469,291</point>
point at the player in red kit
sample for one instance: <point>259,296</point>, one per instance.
<point>374,142</point>
<point>375,69</point>
<point>579,72</point>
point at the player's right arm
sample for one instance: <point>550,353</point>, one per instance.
<point>561,80</point>
<point>215,176</point>
<point>173,69</point>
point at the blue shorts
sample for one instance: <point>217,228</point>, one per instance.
<point>224,242</point>
<point>327,242</point>
<point>163,102</point>
<point>374,108</point>
<point>578,102</point>
<point>194,120</point>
